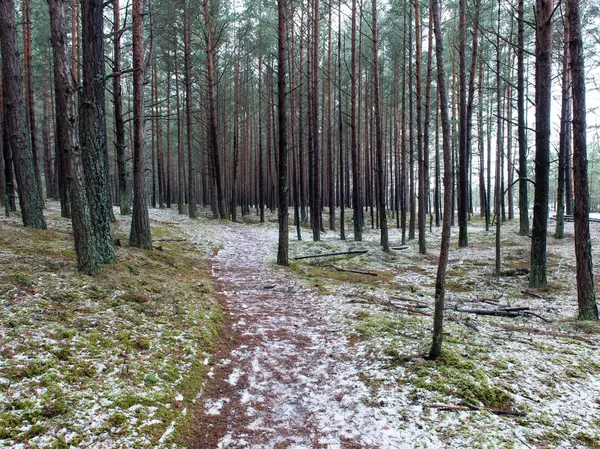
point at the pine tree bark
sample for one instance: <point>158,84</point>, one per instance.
<point>463,174</point>
<point>187,76</point>
<point>438,318</point>
<point>565,123</point>
<point>499,187</point>
<point>140,234</point>
<point>282,250</point>
<point>214,142</point>
<point>29,98</point>
<point>15,127</point>
<point>543,78</point>
<point>420,157</point>
<point>586,298</point>
<point>522,136</point>
<point>381,208</point>
<point>67,141</point>
<point>342,161</point>
<point>120,145</point>
<point>93,127</point>
<point>356,189</point>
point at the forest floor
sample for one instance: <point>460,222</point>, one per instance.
<point>112,361</point>
<point>311,356</point>
<point>324,358</point>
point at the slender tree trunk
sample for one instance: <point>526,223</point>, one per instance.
<point>565,119</point>
<point>282,250</point>
<point>499,187</point>
<point>330,154</point>
<point>411,140</point>
<point>29,99</point>
<point>586,298</point>
<point>140,234</point>
<point>522,136</point>
<point>123,173</point>
<point>30,199</point>
<point>438,319</point>
<point>93,127</point>
<point>341,131</point>
<point>261,177</point>
<point>379,136</point>
<point>543,78</point>
<point>427,119</point>
<point>420,158</point>
<point>187,74</point>
<point>236,136</point>
<point>88,259</point>
<point>482,189</point>
<point>315,124</point>
<point>210,73</point>
<point>463,174</point>
<point>356,190</point>
<point>168,184</point>
<point>47,143</point>
<point>403,190</point>
<point>180,152</point>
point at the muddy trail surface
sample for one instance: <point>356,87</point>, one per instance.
<point>286,379</point>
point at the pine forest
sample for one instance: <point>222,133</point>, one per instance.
<point>299,224</point>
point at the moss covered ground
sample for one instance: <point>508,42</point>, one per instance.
<point>116,360</point>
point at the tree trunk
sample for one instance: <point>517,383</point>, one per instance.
<point>187,76</point>
<point>120,145</point>
<point>93,127</point>
<point>29,99</point>
<point>282,250</point>
<point>30,200</point>
<point>586,298</point>
<point>420,158</point>
<point>47,141</point>
<point>463,178</point>
<point>214,143</point>
<point>543,78</point>
<point>140,234</point>
<point>565,123</point>
<point>341,131</point>
<point>500,148</point>
<point>438,319</point>
<point>379,138</point>
<point>356,190</point>
<point>522,136</point>
<point>67,141</point>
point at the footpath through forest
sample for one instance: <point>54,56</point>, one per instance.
<point>287,379</point>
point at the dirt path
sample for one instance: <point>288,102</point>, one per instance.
<point>287,380</point>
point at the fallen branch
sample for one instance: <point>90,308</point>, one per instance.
<point>340,253</point>
<point>465,406</point>
<point>347,270</point>
<point>535,295</point>
<point>399,248</point>
<point>506,312</point>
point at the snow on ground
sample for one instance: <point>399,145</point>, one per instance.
<point>100,362</point>
<point>339,354</point>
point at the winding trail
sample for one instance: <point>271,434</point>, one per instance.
<point>287,378</point>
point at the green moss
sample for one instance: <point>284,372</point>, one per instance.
<point>453,375</point>
<point>116,419</point>
<point>372,325</point>
<point>53,402</point>
<point>22,280</point>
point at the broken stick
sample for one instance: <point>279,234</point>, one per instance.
<point>465,406</point>
<point>347,270</point>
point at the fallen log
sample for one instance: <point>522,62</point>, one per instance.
<point>347,270</point>
<point>339,253</point>
<point>510,313</point>
<point>465,406</point>
<point>399,248</point>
